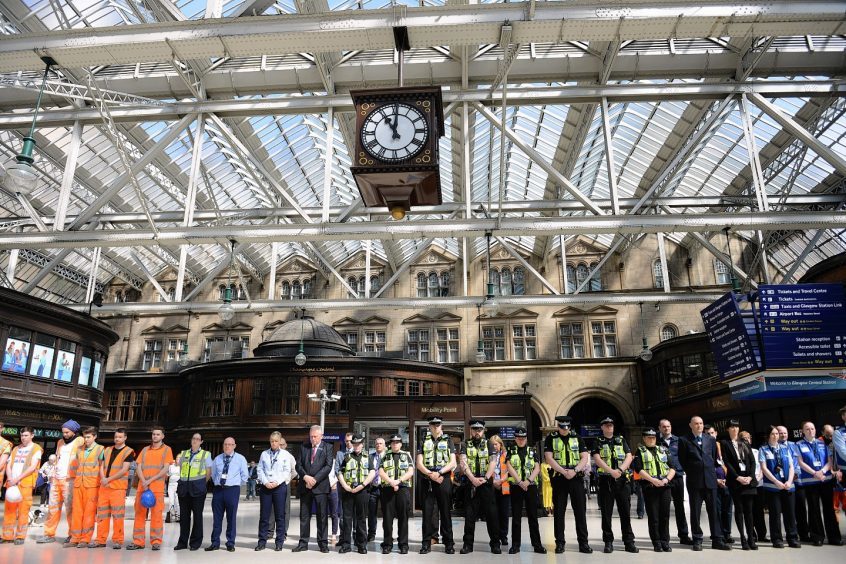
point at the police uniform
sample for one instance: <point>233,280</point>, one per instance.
<point>566,450</point>
<point>194,469</point>
<point>436,454</point>
<point>524,465</point>
<point>657,462</point>
<point>396,500</point>
<point>477,459</point>
<point>355,471</point>
<point>614,451</point>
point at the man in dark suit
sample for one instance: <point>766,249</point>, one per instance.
<point>698,457</point>
<point>313,466</point>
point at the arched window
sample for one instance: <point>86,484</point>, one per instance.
<point>444,283</point>
<point>595,280</point>
<point>505,282</point>
<point>668,332</point>
<point>421,285</point>
<point>581,274</point>
<point>306,288</point>
<point>221,292</point>
<point>519,284</point>
<point>362,286</point>
<point>493,278</point>
<point>721,270</point>
<point>658,273</point>
<point>434,285</point>
<point>296,290</point>
<point>375,284</point>
<point>353,283</point>
<point>171,294</point>
<point>571,279</point>
<point>118,297</point>
<point>286,291</point>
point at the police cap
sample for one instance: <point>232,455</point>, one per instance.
<point>477,424</point>
<point>396,439</point>
<point>435,420</point>
<point>733,423</point>
<point>607,419</point>
<point>564,420</point>
<point>649,432</point>
<point>521,432</point>
<point>357,439</point>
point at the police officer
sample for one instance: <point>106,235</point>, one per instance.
<point>523,464</point>
<point>478,467</point>
<point>654,463</point>
<point>354,478</point>
<point>395,472</point>
<point>195,468</point>
<point>613,458</point>
<point>568,459</point>
<point>435,461</point>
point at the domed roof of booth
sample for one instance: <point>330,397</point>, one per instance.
<point>317,338</point>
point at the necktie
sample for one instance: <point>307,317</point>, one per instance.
<point>226,459</point>
<point>313,452</point>
<point>376,460</point>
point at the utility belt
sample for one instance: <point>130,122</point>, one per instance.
<point>554,474</point>
<point>627,475</point>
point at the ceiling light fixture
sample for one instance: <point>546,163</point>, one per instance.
<point>226,311</point>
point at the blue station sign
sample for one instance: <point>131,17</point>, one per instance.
<point>730,338</point>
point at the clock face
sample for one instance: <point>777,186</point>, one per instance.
<point>394,132</point>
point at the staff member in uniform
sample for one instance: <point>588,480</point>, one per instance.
<point>61,487</point>
<point>435,462</point>
<point>228,472</point>
<point>283,444</point>
<point>85,473</point>
<point>654,463</point>
<point>523,468</point>
<point>111,500</point>
<point>375,489</point>
<point>671,441</point>
<point>800,510</point>
<point>395,472</point>
<point>613,458</point>
<point>151,469</point>
<point>478,466</point>
<point>568,458</point>
<point>777,465</point>
<point>740,478</point>
<point>21,471</point>
<point>194,474</point>
<point>814,474</point>
<point>354,479</point>
<point>172,486</point>
<point>274,475</point>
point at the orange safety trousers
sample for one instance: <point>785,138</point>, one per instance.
<point>139,528</point>
<point>61,493</point>
<point>111,507</point>
<point>83,514</point>
<point>16,516</point>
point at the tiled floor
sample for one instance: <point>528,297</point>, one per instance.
<point>248,525</point>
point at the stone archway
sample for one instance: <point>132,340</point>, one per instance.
<point>618,403</point>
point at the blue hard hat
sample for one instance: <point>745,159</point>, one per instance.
<point>148,499</point>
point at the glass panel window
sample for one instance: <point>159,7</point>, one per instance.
<point>65,361</point>
<point>571,279</point>
<point>84,370</point>
<point>493,278</point>
<point>445,284</point>
<point>399,387</point>
<point>351,339</point>
<point>375,285</point>
<point>413,388</point>
<point>604,338</point>
<point>306,288</point>
<point>418,344</point>
<point>581,274</point>
<point>353,283</point>
<point>428,389</point>
<point>493,342</point>
<point>374,341</point>
<point>571,340</point>
<point>595,280</point>
<point>505,282</point>
<point>296,290</point>
<point>421,285</point>
<point>286,291</point>
<point>721,271</point>
<point>434,285</point>
<point>525,347</point>
<point>668,332</point>
<point>174,349</point>
<point>519,283</point>
<point>152,354</point>
<point>447,344</point>
<point>658,273</point>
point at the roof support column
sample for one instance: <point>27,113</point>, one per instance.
<point>662,254</point>
<point>757,179</point>
<point>67,178</point>
<point>327,168</point>
<point>190,200</point>
<point>92,276</point>
<point>271,284</point>
<point>11,266</point>
<point>609,158</point>
<point>564,282</point>
<point>466,186</point>
<point>526,265</point>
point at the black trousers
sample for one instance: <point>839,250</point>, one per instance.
<point>832,527</point>
<point>782,506</point>
<point>480,501</point>
<point>810,501</point>
<point>619,491</point>
<point>438,495</point>
<point>355,510</point>
<point>191,510</point>
<point>677,491</point>
<point>373,509</point>
<point>744,512</point>
<point>395,504</point>
<point>272,503</point>
<point>760,518</point>
<point>697,496</point>
<point>529,498</point>
<point>724,509</point>
<point>320,500</point>
<point>503,511</point>
<point>803,527</point>
<point>574,491</point>
<point>658,512</point>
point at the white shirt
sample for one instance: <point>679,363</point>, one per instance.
<point>65,455</point>
<point>759,473</point>
<point>19,463</point>
<point>275,466</point>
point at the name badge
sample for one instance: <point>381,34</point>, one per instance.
<point>224,476</point>
<point>403,465</point>
<point>442,446</point>
<point>817,464</point>
<point>769,455</point>
<point>804,448</point>
<point>742,467</point>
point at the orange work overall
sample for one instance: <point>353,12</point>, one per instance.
<point>85,471</point>
<point>111,500</point>
<point>16,515</point>
<point>150,462</point>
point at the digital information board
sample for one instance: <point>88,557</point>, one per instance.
<point>803,325</point>
<point>731,342</point>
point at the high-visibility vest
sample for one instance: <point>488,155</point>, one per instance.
<point>815,455</point>
<point>29,481</point>
<point>356,468</point>
<point>523,466</point>
<point>435,451</point>
<point>478,456</point>
<point>123,482</point>
<point>778,461</point>
<point>611,450</point>
<point>655,463</point>
<point>395,464</point>
<point>85,467</point>
<point>565,450</point>
<point>193,467</point>
<point>5,448</point>
<point>150,463</point>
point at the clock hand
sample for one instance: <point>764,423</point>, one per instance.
<point>393,126</point>
<point>396,122</point>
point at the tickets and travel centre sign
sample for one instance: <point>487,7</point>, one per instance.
<point>781,341</point>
